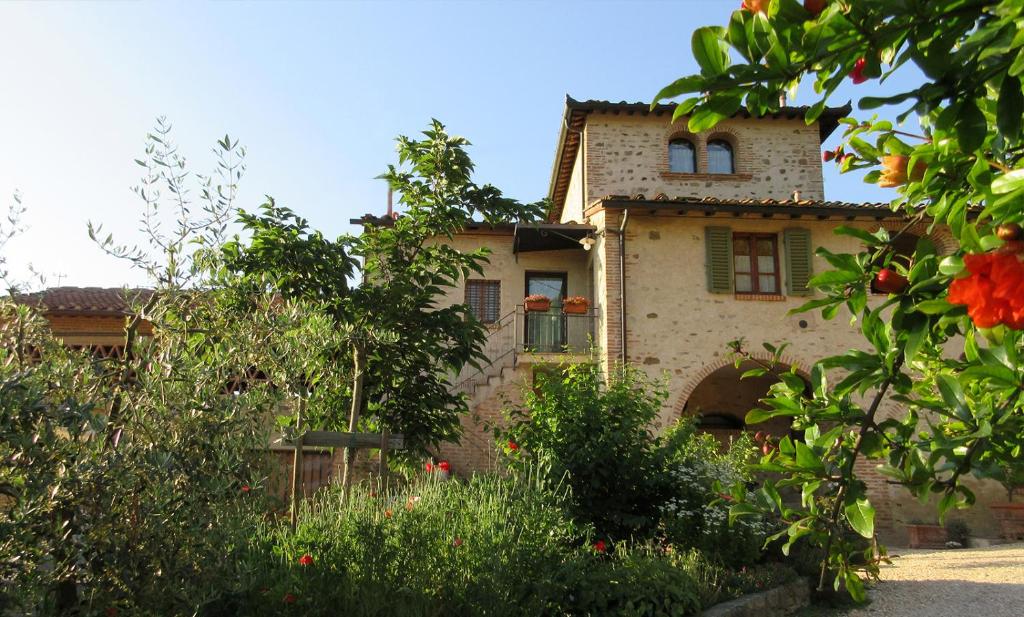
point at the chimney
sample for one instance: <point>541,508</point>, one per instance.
<point>796,195</point>
<point>391,206</point>
<point>782,99</point>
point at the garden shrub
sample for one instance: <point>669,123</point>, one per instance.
<point>697,514</point>
<point>455,548</point>
<point>596,434</point>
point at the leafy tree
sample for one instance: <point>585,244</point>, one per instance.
<point>399,347</point>
<point>947,341</point>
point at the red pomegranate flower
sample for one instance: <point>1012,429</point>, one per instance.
<point>513,446</point>
<point>600,546</point>
<point>993,290</point>
<point>755,6</point>
<point>444,466</point>
<point>857,74</point>
<point>289,598</point>
<point>306,560</point>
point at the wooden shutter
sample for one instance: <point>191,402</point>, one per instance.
<point>718,242</point>
<point>799,268</point>
<point>484,299</point>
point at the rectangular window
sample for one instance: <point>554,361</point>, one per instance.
<point>756,263</point>
<point>484,299</point>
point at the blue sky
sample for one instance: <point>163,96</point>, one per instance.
<point>316,92</point>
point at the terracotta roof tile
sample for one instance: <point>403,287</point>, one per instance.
<point>85,300</point>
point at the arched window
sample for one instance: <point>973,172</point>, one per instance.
<point>720,157</point>
<point>682,157</point>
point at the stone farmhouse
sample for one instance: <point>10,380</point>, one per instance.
<point>680,243</point>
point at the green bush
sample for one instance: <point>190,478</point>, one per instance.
<point>453,548</point>
<point>595,434</point>
<point>697,514</point>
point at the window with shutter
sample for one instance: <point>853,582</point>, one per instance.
<point>484,299</point>
<point>756,263</point>
<point>799,264</point>
<point>718,243</point>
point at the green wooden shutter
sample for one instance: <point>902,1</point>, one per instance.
<point>799,264</point>
<point>718,242</point>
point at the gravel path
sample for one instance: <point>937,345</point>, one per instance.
<point>981,582</point>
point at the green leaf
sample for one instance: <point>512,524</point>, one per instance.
<point>953,395</point>
<point>861,515</point>
<point>1008,182</point>
<point>692,83</point>
<point>1010,109</point>
<point>806,458</point>
<point>710,51</point>
<point>971,126</point>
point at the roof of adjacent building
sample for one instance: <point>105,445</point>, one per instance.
<point>576,113</point>
<point>85,300</point>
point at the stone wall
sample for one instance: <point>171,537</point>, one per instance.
<point>628,154</point>
<point>778,602</point>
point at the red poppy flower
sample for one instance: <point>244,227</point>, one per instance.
<point>388,514</point>
<point>289,598</point>
<point>513,446</point>
<point>444,466</point>
<point>457,543</point>
<point>600,546</point>
<point>430,467</point>
<point>857,74</point>
<point>306,560</point>
<point>246,488</point>
<point>993,290</point>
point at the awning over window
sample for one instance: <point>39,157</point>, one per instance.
<point>531,237</point>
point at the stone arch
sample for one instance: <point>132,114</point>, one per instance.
<point>802,369</point>
<point>941,236</point>
<point>726,134</point>
<point>721,399</point>
<point>698,148</point>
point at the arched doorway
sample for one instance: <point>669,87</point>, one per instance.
<point>721,402</point>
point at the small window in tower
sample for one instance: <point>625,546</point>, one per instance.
<point>720,157</point>
<point>682,157</point>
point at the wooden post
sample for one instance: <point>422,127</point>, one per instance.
<point>297,464</point>
<point>382,469</point>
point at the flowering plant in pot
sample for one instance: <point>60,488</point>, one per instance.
<point>537,302</point>
<point>576,305</point>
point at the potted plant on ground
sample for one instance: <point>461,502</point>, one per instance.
<point>923,535</point>
<point>1010,513</point>
<point>537,302</point>
<point>575,305</point>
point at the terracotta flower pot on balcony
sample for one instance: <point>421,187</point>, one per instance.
<point>926,536</point>
<point>1010,515</point>
<point>537,303</point>
<point>575,305</point>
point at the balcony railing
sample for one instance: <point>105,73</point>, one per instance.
<point>554,331</point>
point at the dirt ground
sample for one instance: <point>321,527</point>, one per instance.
<point>982,582</point>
